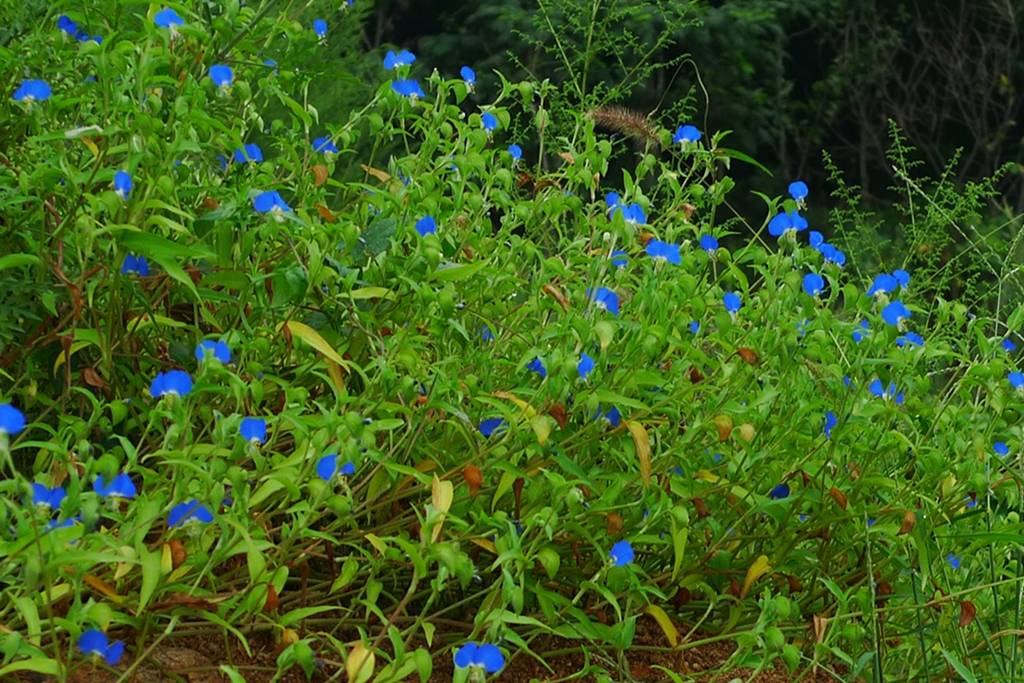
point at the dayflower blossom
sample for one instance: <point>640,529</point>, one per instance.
<point>886,393</point>
<point>45,497</point>
<point>732,302</point>
<point>325,145</point>
<point>426,226</point>
<point>272,203</point>
<point>895,313</point>
<point>489,122</point>
<point>910,339</point>
<point>122,184</point>
<point>686,134</point>
<point>516,152</point>
<point>408,88</point>
<point>883,284</point>
<point>486,334</point>
<point>694,327</point>
<point>779,492</point>
<point>830,423</point>
<point>815,239</point>
<point>327,467</point>
<point>483,656</point>
<point>95,643</point>
<point>120,486</point>
<point>250,153</point>
<point>490,426</point>
<point>469,76</point>
<point>606,299</point>
<point>12,420</point>
<point>585,365</point>
<point>619,258</point>
<point>663,251</point>
<point>953,560</point>
<point>537,365</point>
<point>189,512</point>
<point>1016,379</point>
<point>902,277</point>
<point>622,554</point>
<point>394,60</point>
<point>634,213</point>
<point>798,190</point>
<point>1008,345</point>
<point>253,429</point>
<point>858,334</point>
<point>222,76</point>
<point>172,382</point>
<point>208,348</point>
<point>32,90</point>
<point>709,243</point>
<point>1001,449</point>
<point>167,18</point>
<point>813,284</point>
<point>612,416</point>
<point>320,28</point>
<point>786,222</point>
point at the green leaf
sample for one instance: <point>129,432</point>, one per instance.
<point>955,662</point>
<point>151,573</point>
<point>16,260</point>
<point>39,665</point>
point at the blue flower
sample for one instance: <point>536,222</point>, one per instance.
<point>813,284</point>
<point>426,226</point>
<point>490,426</point>
<point>253,429</point>
<point>870,522</point>
<point>784,222</point>
<point>272,63</point>
<point>881,391</point>
<point>209,348</point>
<point>622,554</point>
<point>1001,449</point>
<point>94,643</point>
<point>798,190</point>
<point>222,76</point>
<point>1016,380</point>
<point>537,365</point>
<point>830,423</point>
<point>32,90</point>
<point>47,497</point>
<point>516,151</point>
<point>250,153</point>
<point>970,502</point>
<point>883,284</point>
<point>324,145</point>
<point>606,299</point>
<point>686,134</point>
<point>953,560</point>
<point>408,88</point>
<point>585,366</point>
<point>489,121</point>
<point>469,76</point>
<point>816,239</point>
<point>902,277</point>
<point>270,202</point>
<point>619,258</point>
<point>1008,345</point>
<point>858,335</point>
<point>394,60</point>
<point>189,512</point>
<point>120,486</point>
<point>709,243</point>
<point>694,327</point>
<point>135,264</point>
<point>634,213</point>
<point>122,184</point>
<point>895,313</point>
<point>172,382</point>
<point>169,19</point>
<point>327,467</point>
<point>910,339</point>
<point>732,302</point>
<point>663,251</point>
<point>612,201</point>
<point>67,25</point>
<point>320,28</point>
<point>12,420</point>
<point>486,334</point>
<point>612,416</point>
<point>484,656</point>
<point>831,254</point>
<point>779,492</point>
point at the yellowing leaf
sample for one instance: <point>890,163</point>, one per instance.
<point>377,543</point>
<point>541,427</point>
<point>755,572</point>
<point>527,409</point>
<point>372,293</point>
<point>665,623</point>
<point>376,173</point>
<point>313,338</point>
<point>441,495</point>
<point>91,146</point>
<point>486,543</point>
<point>605,332</point>
<point>643,449</point>
<point>334,370</point>
<point>102,587</point>
<point>707,475</point>
<point>360,663</point>
<point>145,320</point>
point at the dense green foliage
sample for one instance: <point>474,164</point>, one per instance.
<point>797,474</point>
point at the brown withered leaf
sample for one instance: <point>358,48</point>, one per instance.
<point>749,356</point>
<point>319,174</point>
<point>474,479</point>
<point>557,411</point>
<point>567,157</point>
<point>838,496</point>
<point>702,508</point>
<point>967,613</point>
<point>210,204</point>
<point>747,432</point>
<point>695,375</point>
<point>178,553</point>
<point>646,237</point>
<point>614,524</point>
<point>723,423</point>
<point>326,214</point>
<point>820,628</point>
<point>102,587</point>
<point>272,600</point>
<point>93,379</point>
<point>556,294</point>
<point>909,520</point>
<point>376,173</point>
